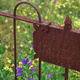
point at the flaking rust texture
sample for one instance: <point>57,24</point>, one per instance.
<point>58,45</point>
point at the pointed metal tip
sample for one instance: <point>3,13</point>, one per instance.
<point>68,20</point>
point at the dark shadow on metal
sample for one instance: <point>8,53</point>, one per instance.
<point>14,22</point>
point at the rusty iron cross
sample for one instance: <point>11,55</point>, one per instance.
<point>52,43</point>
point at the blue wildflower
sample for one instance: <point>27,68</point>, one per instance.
<point>32,25</point>
<point>32,46</point>
<point>50,75</point>
<point>30,79</point>
<point>32,32</point>
<point>19,71</point>
<point>30,63</point>
<point>19,74</point>
<point>55,1</point>
<point>25,61</point>
<point>33,70</point>
<point>42,19</point>
<point>18,68</point>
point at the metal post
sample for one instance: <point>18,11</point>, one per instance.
<point>39,68</point>
<point>66,73</point>
<point>14,22</point>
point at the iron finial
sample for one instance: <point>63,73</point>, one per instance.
<point>68,23</point>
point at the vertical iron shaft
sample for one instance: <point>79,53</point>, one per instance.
<point>14,22</point>
<point>66,73</point>
<point>39,68</point>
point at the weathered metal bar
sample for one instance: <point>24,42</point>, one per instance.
<point>35,21</point>
<point>39,68</point>
<point>18,17</point>
<point>21,18</point>
<point>66,73</point>
<point>14,24</point>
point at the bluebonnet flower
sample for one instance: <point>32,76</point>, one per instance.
<point>55,1</point>
<point>42,19</point>
<point>30,63</point>
<point>32,46</point>
<point>50,75</point>
<point>18,71</point>
<point>25,61</point>
<point>30,79</point>
<point>33,70</point>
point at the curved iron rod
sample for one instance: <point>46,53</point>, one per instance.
<point>26,2</point>
<point>14,22</point>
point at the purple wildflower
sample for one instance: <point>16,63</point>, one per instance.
<point>18,68</point>
<point>30,63</point>
<point>42,19</point>
<point>32,46</point>
<point>18,71</point>
<point>33,70</point>
<point>55,1</point>
<point>50,75</point>
<point>19,74</point>
<point>32,32</point>
<point>30,79</point>
<point>25,61</point>
<point>32,25</point>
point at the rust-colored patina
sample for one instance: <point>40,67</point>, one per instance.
<point>58,45</point>
<point>52,43</point>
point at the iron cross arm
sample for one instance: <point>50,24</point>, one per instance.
<point>22,18</point>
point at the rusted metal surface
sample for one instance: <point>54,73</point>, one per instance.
<point>58,46</point>
<point>67,22</point>
<point>34,21</point>
<point>39,68</point>
<point>52,43</point>
<point>19,17</point>
<point>66,73</point>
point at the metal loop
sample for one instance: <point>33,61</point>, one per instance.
<point>26,2</point>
